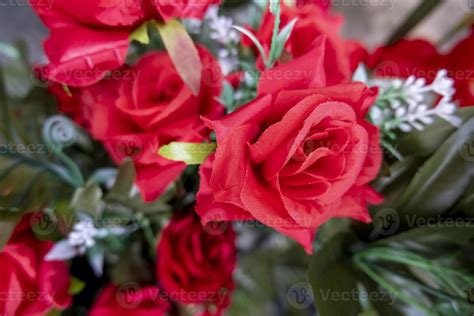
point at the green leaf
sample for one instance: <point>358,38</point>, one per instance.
<point>88,199</point>
<point>6,128</point>
<point>441,181</point>
<point>76,286</point>
<point>227,95</point>
<point>125,179</point>
<point>27,184</point>
<point>254,40</point>
<point>276,26</point>
<point>465,204</point>
<point>141,34</point>
<point>183,53</point>
<point>54,312</point>
<point>331,274</point>
<point>189,153</point>
<point>281,40</point>
<point>427,141</point>
<point>17,71</point>
<point>274,6</point>
<point>432,239</point>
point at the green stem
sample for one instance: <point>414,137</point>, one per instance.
<point>75,172</point>
<point>6,128</point>
<point>58,171</point>
<point>276,27</point>
<point>149,235</point>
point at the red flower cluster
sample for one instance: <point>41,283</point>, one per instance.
<point>298,155</point>
<point>29,284</point>
<point>89,38</point>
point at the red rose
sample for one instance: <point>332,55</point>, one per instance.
<point>130,299</point>
<point>195,264</point>
<point>29,285</point>
<point>460,66</point>
<point>313,22</point>
<point>406,58</point>
<point>296,156</point>
<point>90,38</point>
<point>147,107</point>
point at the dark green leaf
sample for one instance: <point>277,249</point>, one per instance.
<point>433,238</point>
<point>331,275</point>
<point>427,141</point>
<point>27,185</point>
<point>88,199</point>
<point>441,181</point>
<point>125,179</point>
<point>76,286</point>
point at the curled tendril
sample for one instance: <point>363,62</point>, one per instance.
<point>59,132</point>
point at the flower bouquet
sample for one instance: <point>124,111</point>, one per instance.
<point>205,158</point>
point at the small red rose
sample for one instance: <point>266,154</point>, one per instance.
<point>149,106</point>
<point>195,264</point>
<point>29,284</point>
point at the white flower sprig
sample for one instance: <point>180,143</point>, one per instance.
<point>226,36</point>
<point>412,104</point>
<point>84,236</point>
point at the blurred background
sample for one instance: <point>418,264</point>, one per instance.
<point>371,21</point>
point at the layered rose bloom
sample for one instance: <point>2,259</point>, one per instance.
<point>149,106</point>
<point>195,263</point>
<point>420,58</point>
<point>313,21</point>
<point>298,155</point>
<point>130,299</point>
<point>89,38</point>
<point>29,284</point>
